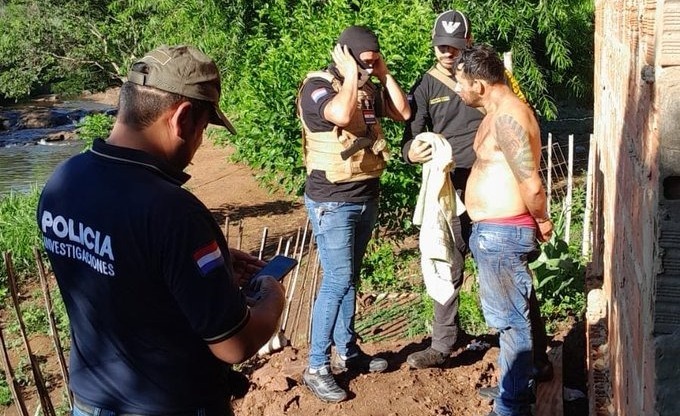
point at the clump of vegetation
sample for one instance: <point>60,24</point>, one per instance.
<point>19,232</point>
<point>470,312</point>
<point>559,271</point>
<point>94,126</point>
<point>384,266</point>
<point>5,393</point>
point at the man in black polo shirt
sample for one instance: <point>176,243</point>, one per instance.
<point>151,288</point>
<point>435,107</point>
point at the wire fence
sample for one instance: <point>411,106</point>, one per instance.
<point>561,174</point>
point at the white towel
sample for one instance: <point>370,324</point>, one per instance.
<point>435,211</point>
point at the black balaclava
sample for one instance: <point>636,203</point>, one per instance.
<point>359,39</point>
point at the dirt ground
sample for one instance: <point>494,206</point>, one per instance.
<point>248,213</point>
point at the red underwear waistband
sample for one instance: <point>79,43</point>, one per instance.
<point>520,220</point>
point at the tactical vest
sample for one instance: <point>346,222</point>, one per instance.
<point>355,152</point>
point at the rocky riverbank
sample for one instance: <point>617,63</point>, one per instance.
<point>47,120</point>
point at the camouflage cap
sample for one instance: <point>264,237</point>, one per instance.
<point>182,70</point>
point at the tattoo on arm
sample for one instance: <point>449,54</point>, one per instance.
<point>514,142</point>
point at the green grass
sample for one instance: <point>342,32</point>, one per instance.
<point>386,311</point>
<point>5,393</point>
<point>19,233</point>
<point>384,267</point>
<point>470,312</point>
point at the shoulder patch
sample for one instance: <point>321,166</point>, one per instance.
<point>208,257</point>
<point>319,93</point>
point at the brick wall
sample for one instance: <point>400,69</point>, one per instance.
<point>637,246</point>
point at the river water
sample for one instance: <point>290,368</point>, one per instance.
<point>28,149</point>
<point>22,167</point>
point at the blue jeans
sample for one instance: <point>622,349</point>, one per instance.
<point>342,231</point>
<point>505,286</point>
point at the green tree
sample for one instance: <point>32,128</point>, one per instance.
<point>55,46</point>
<point>551,44</point>
<point>265,48</point>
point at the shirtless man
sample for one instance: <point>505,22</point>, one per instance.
<point>506,201</point>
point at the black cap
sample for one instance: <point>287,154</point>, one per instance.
<point>451,28</point>
<point>359,39</point>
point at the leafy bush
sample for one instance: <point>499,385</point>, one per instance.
<point>559,271</point>
<point>94,126</point>
<point>551,44</point>
<point>55,44</point>
<point>379,267</point>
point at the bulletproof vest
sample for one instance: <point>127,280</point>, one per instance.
<point>355,152</point>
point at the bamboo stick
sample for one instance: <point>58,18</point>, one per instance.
<point>286,251</point>
<point>240,234</point>
<point>265,232</point>
<point>288,281</point>
<point>53,324</point>
<point>585,248</point>
<point>11,381</point>
<point>297,240</point>
<point>570,186</point>
<point>549,173</point>
<point>43,394</point>
<point>304,289</point>
<point>226,229</point>
<point>295,277</point>
<point>278,247</point>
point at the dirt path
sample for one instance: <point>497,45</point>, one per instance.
<point>231,190</point>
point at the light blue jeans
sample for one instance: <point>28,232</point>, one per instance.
<point>342,231</point>
<point>505,285</point>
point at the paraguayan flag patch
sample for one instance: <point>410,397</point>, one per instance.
<point>208,258</point>
<point>318,93</point>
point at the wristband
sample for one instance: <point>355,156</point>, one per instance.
<point>542,220</point>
